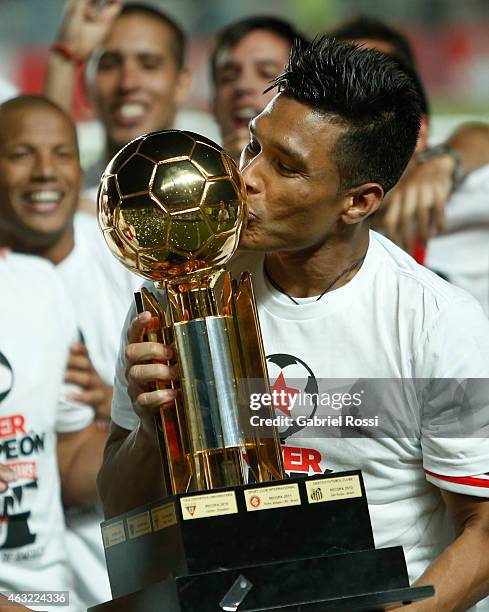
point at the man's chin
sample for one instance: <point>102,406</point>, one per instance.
<point>120,136</point>
<point>248,244</point>
<point>123,137</point>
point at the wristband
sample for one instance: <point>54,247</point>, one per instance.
<point>439,151</point>
<point>69,55</point>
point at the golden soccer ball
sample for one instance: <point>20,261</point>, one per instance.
<point>171,203</point>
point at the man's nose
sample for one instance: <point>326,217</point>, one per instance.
<point>44,166</point>
<point>251,176</point>
<point>246,82</point>
<point>129,77</point>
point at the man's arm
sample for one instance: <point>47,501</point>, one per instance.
<point>9,606</point>
<point>93,390</point>
<point>79,459</point>
<point>82,30</point>
<point>131,473</point>
<point>471,142</point>
<point>461,573</point>
<point>417,202</point>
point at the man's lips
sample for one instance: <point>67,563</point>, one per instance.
<point>251,218</point>
<point>129,114</point>
<point>42,200</point>
<point>243,115</point>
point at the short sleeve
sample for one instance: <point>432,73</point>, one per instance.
<point>72,416</point>
<point>455,420</point>
<point>123,413</point>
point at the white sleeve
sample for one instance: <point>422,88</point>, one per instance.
<point>477,485</point>
<point>455,421</point>
<point>71,415</point>
<point>123,413</point>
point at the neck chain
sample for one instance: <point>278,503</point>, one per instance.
<point>346,271</point>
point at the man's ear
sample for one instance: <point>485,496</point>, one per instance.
<point>362,202</point>
<point>183,86</point>
<point>424,133</point>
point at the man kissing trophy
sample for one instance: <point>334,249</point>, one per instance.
<point>226,535</point>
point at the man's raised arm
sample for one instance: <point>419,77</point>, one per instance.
<point>83,28</point>
<point>419,200</point>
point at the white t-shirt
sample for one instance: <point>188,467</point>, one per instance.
<point>36,329</point>
<point>461,253</point>
<point>101,290</point>
<point>393,320</point>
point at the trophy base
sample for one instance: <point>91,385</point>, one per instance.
<point>296,544</point>
<point>363,580</point>
<point>235,526</point>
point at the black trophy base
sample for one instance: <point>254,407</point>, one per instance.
<point>297,544</point>
<point>363,580</point>
<point>290,519</point>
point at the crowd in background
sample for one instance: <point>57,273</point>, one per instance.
<point>65,297</point>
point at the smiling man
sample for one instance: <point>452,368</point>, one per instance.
<point>140,77</point>
<point>247,56</point>
<point>39,188</point>
<point>135,75</point>
<point>38,201</point>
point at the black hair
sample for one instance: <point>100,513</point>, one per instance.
<point>369,28</point>
<point>179,37</point>
<point>236,31</point>
<point>366,92</point>
<point>374,29</point>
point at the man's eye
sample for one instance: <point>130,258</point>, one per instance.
<point>151,63</point>
<point>107,62</point>
<point>268,74</point>
<point>284,169</point>
<point>226,76</point>
<point>253,148</point>
<point>20,154</point>
<point>65,154</point>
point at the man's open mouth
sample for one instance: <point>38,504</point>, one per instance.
<point>43,200</point>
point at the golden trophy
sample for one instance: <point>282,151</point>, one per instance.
<point>171,206</point>
<point>230,532</point>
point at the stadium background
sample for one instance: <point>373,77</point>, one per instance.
<point>450,39</point>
